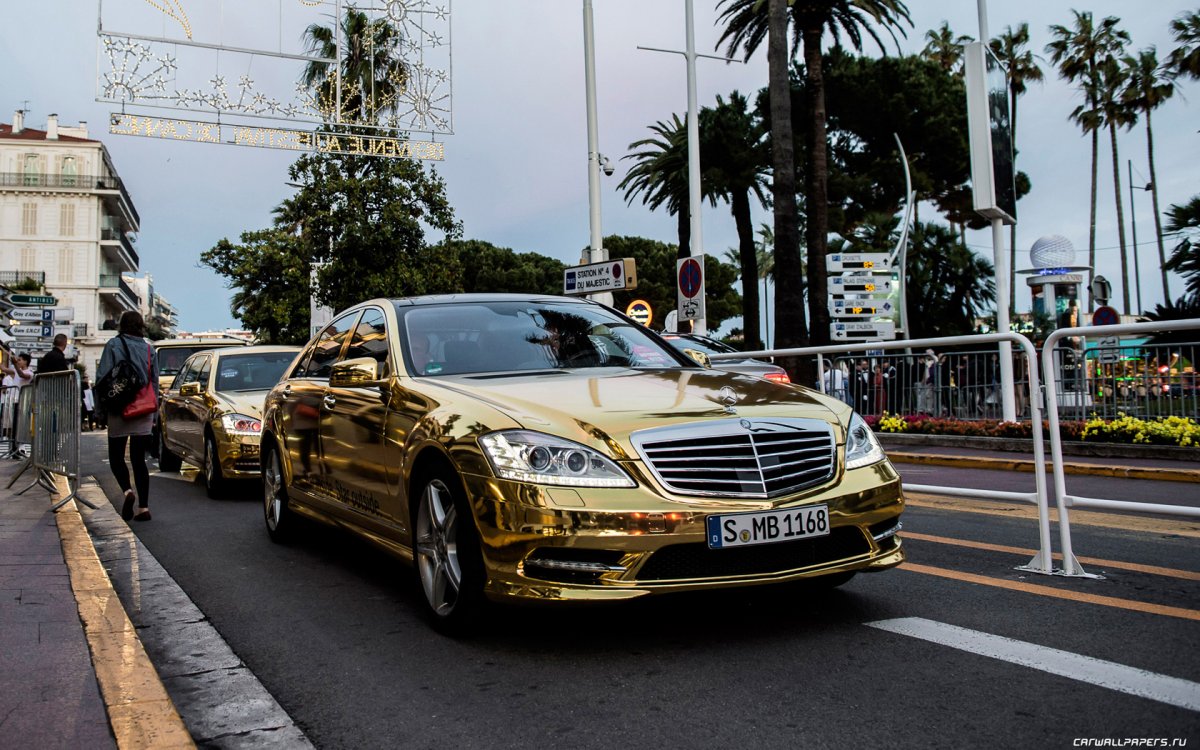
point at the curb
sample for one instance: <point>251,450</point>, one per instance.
<point>1025,465</point>
<point>140,712</point>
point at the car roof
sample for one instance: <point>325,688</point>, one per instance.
<point>264,349</point>
<point>209,342</point>
<point>442,299</point>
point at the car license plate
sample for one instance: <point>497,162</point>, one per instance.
<point>765,527</point>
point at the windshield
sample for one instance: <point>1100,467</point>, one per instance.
<point>485,337</point>
<point>708,346</point>
<point>171,358</point>
<point>252,372</point>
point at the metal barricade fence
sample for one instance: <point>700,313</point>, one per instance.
<point>1063,501</point>
<point>55,431</point>
<point>1042,561</point>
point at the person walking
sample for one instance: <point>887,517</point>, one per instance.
<point>130,345</point>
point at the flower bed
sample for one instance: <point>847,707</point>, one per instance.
<point>1125,429</point>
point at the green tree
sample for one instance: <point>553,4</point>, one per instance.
<point>1113,114</point>
<point>944,48</point>
<point>1148,85</point>
<point>484,267</point>
<point>660,175</point>
<point>733,152</point>
<point>1020,67</point>
<point>1078,52</point>
<point>812,20</point>
<point>1185,59</point>
<point>373,73</point>
<point>656,280</point>
<point>952,283</point>
<point>269,272</point>
<point>1184,219</point>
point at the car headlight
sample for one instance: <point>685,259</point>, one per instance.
<point>544,459</point>
<point>241,424</point>
<point>862,447</point>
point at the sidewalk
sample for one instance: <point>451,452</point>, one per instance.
<point>73,672</point>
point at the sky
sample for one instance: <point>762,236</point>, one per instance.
<point>516,163</point>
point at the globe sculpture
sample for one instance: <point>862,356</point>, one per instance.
<point>1052,251</point>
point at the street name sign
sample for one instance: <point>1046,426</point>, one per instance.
<point>29,299</point>
<point>606,276</point>
<point>859,284</point>
<point>43,314</point>
<point>858,262</point>
<point>860,308</point>
<point>880,329</point>
<point>32,330</point>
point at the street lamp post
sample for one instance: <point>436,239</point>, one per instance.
<point>1137,272</point>
<point>596,253</point>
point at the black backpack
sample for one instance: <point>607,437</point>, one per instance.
<point>120,385</point>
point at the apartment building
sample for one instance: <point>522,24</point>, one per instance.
<point>67,222</point>
<point>156,310</point>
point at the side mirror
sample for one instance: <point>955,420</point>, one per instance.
<point>700,357</point>
<point>354,373</point>
<point>189,389</point>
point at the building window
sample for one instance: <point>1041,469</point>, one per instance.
<point>70,171</point>
<point>29,262</point>
<point>66,265</point>
<point>32,170</point>
<point>29,219</point>
<point>66,220</point>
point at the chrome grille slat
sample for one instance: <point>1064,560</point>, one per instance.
<point>752,458</point>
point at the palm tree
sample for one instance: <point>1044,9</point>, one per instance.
<point>733,151</point>
<point>1020,67</point>
<point>1147,86</point>
<point>1185,258</point>
<point>745,21</point>
<point>1110,81</point>
<point>944,48</point>
<point>1077,52</point>
<point>1185,59</point>
<point>660,175</point>
<point>373,73</point>
<point>953,283</point>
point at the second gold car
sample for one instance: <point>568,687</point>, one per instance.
<point>211,415</point>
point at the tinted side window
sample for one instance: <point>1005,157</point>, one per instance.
<point>321,356</point>
<point>370,338</point>
<point>188,373</point>
<point>205,370</point>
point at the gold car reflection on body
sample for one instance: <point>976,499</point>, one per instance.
<point>547,448</point>
<point>211,414</point>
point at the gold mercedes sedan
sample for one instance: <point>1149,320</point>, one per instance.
<point>518,447</point>
<point>210,416</point>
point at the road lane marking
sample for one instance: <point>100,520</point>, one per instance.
<point>1187,575</point>
<point>1075,596</point>
<point>1106,674</point>
<point>1126,522</point>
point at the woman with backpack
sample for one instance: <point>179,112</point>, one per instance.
<point>125,354</point>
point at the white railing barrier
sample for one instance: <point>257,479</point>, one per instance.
<point>1042,561</point>
<point>1062,500</point>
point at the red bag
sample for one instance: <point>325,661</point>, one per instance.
<point>146,401</point>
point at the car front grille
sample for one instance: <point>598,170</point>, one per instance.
<point>753,458</point>
<point>689,561</point>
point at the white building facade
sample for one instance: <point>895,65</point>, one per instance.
<point>67,222</point>
<point>155,309</point>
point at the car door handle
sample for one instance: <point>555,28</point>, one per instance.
<point>329,402</point>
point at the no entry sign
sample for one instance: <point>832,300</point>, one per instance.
<point>689,273</point>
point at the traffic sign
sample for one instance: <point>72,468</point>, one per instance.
<point>864,308</point>
<point>30,299</point>
<point>1105,316</point>
<point>40,330</point>
<point>859,283</point>
<point>640,311</point>
<point>858,262</point>
<point>606,276</point>
<point>1110,347</point>
<point>689,274</point>
<point>880,329</point>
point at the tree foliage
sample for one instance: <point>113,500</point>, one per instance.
<point>1185,258</point>
<point>483,267</point>
<point>656,280</point>
<point>270,276</point>
<point>948,285</point>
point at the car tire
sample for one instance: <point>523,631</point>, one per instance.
<point>279,517</point>
<point>214,481</point>
<point>167,461</point>
<point>447,554</point>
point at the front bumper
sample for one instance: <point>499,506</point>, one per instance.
<point>239,456</point>
<point>556,543</point>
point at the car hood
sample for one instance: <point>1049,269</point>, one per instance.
<point>603,407</point>
<point>249,403</point>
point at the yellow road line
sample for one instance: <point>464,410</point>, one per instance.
<point>1166,473</point>
<point>1075,596</point>
<point>139,710</point>
<point>1187,575</point>
<point>1145,523</point>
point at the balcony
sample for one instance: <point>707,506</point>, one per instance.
<point>114,288</point>
<point>9,278</point>
<point>111,189</point>
<point>113,242</point>
<point>80,331</point>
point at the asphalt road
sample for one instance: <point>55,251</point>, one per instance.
<point>334,631</point>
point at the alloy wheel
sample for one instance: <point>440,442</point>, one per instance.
<point>437,548</point>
